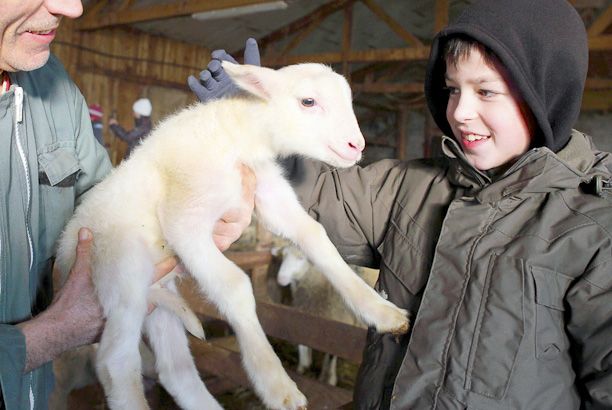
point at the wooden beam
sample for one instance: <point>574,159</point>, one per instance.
<point>355,56</point>
<point>385,88</point>
<point>162,11</point>
<point>442,9</point>
<point>391,22</point>
<point>598,100</point>
<point>94,8</point>
<point>318,15</point>
<point>290,324</point>
<point>600,43</point>
<point>602,23</point>
<point>347,40</point>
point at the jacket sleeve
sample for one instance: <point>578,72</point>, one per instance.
<point>93,158</point>
<point>590,327</point>
<point>353,204</point>
<point>130,136</point>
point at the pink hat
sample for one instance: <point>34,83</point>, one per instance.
<point>95,112</point>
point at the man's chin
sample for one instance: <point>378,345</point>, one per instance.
<point>25,62</point>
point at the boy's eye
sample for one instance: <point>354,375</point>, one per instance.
<point>451,90</point>
<point>487,93</point>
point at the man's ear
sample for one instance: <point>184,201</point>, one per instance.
<point>260,81</point>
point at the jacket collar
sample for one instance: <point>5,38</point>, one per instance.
<point>539,170</point>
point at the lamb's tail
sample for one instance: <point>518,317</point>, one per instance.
<point>177,305</point>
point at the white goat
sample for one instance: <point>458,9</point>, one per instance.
<point>313,293</point>
<point>165,200</point>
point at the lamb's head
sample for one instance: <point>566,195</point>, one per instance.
<point>311,107</point>
<point>293,267</point>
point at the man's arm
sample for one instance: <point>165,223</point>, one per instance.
<point>74,317</point>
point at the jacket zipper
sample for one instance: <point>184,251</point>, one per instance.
<point>26,167</point>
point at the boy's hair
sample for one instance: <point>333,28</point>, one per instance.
<point>459,47</point>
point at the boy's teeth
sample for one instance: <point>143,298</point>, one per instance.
<point>474,137</point>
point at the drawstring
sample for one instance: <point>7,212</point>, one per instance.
<point>598,185</point>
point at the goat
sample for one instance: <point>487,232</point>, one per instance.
<point>313,293</point>
<point>165,200</point>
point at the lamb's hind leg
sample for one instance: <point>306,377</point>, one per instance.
<point>229,288</point>
<point>122,286</point>
<point>278,207</point>
<point>174,363</point>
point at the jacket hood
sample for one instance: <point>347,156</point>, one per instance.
<point>544,46</point>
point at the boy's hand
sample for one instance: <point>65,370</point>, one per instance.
<point>233,222</point>
<point>213,81</point>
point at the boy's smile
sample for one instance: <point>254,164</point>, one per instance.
<point>485,112</point>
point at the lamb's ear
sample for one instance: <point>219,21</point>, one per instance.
<point>260,81</point>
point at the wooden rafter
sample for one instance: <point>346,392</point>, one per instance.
<point>318,15</point>
<point>347,39</point>
<point>162,11</point>
<point>390,21</point>
<point>601,24</point>
<point>442,8</point>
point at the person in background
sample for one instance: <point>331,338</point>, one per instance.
<point>95,113</point>
<point>142,109</point>
<point>502,248</point>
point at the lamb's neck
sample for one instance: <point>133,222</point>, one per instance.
<point>251,124</point>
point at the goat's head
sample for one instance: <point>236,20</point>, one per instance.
<point>312,109</point>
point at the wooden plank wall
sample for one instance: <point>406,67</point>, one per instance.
<point>115,67</point>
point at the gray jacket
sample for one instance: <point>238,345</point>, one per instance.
<point>49,159</point>
<point>509,281</point>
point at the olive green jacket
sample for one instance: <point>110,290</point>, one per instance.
<point>49,159</point>
<point>509,281</point>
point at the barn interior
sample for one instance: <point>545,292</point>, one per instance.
<point>121,50</point>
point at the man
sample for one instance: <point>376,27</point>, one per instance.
<point>50,158</point>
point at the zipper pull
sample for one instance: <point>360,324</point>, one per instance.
<point>19,104</point>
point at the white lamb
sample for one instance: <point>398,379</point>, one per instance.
<point>165,200</point>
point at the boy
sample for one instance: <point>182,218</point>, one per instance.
<point>503,248</point>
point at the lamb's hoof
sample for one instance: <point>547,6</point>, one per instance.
<point>399,324</point>
<point>401,330</point>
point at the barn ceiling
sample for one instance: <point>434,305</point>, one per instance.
<point>381,45</point>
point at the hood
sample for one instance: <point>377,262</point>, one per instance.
<point>542,43</point>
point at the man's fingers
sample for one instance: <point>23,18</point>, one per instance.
<point>83,251</point>
<point>163,268</point>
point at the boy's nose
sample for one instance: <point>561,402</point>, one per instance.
<point>462,109</point>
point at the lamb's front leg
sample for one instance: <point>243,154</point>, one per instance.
<point>229,288</point>
<point>279,209</point>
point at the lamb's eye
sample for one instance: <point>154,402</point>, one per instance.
<point>308,102</point>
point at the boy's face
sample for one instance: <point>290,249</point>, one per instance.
<point>27,27</point>
<point>485,114</point>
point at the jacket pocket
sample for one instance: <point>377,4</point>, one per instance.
<point>58,172</point>
<point>499,328</point>
<point>550,337</point>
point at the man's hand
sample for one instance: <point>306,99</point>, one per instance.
<point>74,317</point>
<point>213,81</point>
<point>233,222</point>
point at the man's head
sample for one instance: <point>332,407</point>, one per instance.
<point>485,111</point>
<point>27,27</point>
